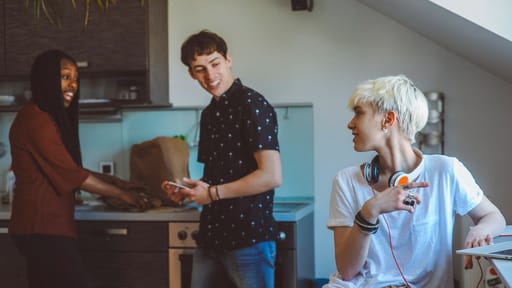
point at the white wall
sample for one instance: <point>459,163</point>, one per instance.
<point>320,56</point>
<point>492,15</point>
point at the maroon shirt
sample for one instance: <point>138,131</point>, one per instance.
<point>46,176</point>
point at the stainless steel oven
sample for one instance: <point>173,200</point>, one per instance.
<point>181,250</point>
<point>294,264</point>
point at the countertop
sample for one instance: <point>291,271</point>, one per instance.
<point>285,210</point>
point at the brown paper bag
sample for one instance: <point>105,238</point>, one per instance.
<point>156,160</point>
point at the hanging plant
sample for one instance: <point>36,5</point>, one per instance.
<point>53,11</point>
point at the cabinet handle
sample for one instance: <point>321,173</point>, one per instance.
<point>4,230</point>
<point>116,231</point>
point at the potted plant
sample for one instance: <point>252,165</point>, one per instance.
<point>53,10</point>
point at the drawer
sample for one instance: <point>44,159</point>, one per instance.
<point>127,269</point>
<point>123,236</point>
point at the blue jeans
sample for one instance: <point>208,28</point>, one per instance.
<point>251,267</point>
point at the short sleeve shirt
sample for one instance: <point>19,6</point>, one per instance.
<point>452,190</point>
<point>233,128</point>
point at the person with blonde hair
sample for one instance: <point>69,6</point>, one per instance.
<point>389,215</point>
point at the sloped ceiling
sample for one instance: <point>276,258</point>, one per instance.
<point>469,40</point>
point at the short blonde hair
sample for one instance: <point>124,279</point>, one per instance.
<point>395,93</point>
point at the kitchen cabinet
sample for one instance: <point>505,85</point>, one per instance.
<point>127,254</point>
<point>112,51</point>
<point>294,265</point>
<point>2,42</point>
<point>114,41</point>
<point>136,249</point>
<point>115,254</point>
<point>12,264</point>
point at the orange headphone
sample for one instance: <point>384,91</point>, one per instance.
<point>370,172</point>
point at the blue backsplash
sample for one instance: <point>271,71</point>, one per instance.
<point>111,141</point>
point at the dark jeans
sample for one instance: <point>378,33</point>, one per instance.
<point>52,261</point>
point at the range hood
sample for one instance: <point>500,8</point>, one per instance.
<point>99,110</point>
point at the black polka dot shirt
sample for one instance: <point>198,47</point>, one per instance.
<point>231,130</point>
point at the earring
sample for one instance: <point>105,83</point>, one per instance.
<point>384,129</point>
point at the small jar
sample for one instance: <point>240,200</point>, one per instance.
<point>7,193</point>
<point>4,197</point>
<point>133,92</point>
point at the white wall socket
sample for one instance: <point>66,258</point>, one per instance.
<point>107,167</point>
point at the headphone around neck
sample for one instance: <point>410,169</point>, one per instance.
<point>371,173</point>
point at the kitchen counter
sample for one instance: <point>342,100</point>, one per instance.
<point>116,243</point>
<point>285,210</point>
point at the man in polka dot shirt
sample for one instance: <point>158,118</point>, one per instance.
<point>239,148</point>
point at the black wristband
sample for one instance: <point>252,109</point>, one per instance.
<point>361,219</point>
<point>364,225</point>
<point>210,193</point>
<point>366,230</point>
<point>217,191</point>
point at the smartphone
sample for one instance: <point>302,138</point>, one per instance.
<point>177,185</point>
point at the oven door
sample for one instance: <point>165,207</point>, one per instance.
<point>180,267</point>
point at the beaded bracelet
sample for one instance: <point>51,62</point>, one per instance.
<point>365,226</point>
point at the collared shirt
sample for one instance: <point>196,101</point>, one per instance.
<point>233,128</point>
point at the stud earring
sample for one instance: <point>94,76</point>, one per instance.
<point>384,129</point>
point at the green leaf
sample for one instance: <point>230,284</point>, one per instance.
<point>53,11</point>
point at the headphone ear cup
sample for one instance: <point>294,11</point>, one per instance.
<point>398,178</point>
<point>374,171</point>
<point>366,172</point>
<point>371,173</point>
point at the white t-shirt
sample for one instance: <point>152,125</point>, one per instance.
<point>422,241</point>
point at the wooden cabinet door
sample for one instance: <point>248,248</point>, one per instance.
<point>127,269</point>
<point>12,265</point>
<point>113,41</point>
<point>131,254</point>
<point>122,236</point>
<point>2,40</point>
